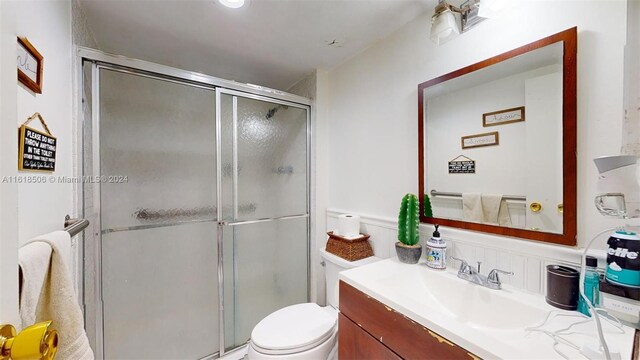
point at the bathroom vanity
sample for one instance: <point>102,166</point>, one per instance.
<point>369,329</point>
<point>390,310</point>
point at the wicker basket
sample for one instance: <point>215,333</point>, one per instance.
<point>349,249</point>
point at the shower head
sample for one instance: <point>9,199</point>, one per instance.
<point>271,112</point>
<point>274,110</point>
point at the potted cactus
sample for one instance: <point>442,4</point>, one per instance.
<point>407,248</point>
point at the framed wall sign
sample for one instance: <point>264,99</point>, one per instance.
<point>36,149</point>
<point>479,140</point>
<point>29,63</point>
<point>462,165</point>
<point>501,117</point>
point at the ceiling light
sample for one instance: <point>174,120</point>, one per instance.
<point>234,4</point>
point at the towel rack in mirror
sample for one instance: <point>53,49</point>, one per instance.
<point>452,194</point>
<point>74,226</point>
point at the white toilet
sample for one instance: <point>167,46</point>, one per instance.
<point>304,331</point>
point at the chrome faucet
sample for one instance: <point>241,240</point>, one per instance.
<point>492,281</point>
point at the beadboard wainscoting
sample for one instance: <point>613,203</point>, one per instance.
<point>527,259</point>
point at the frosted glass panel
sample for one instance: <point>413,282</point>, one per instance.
<point>271,148</point>
<point>157,144</point>
<point>161,135</point>
<point>226,114</point>
<point>160,293</point>
<point>269,271</point>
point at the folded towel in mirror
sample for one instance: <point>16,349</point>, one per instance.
<point>472,207</point>
<point>485,208</point>
<point>494,210</point>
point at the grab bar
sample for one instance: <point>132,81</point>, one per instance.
<point>452,194</point>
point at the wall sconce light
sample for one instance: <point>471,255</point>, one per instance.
<point>444,23</point>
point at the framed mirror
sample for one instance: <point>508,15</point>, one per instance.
<point>497,143</point>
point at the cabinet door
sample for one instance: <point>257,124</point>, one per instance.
<point>403,336</point>
<point>355,343</point>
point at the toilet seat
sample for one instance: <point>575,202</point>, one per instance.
<point>293,329</point>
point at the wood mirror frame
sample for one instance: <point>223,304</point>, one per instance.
<point>569,104</point>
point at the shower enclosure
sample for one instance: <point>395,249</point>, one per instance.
<point>197,190</point>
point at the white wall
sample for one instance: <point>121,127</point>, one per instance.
<point>315,87</point>
<point>42,207</point>
<point>631,128</point>
<point>373,100</point>
<point>8,159</point>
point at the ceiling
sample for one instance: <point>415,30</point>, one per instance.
<point>272,43</point>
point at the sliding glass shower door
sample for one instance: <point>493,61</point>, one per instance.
<point>264,153</point>
<point>158,220</point>
<point>199,203</point>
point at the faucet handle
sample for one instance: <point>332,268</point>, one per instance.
<point>464,266</point>
<point>463,261</point>
<point>494,278</point>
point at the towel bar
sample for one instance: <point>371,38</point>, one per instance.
<point>452,194</point>
<point>74,226</point>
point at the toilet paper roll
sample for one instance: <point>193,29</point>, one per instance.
<point>349,225</point>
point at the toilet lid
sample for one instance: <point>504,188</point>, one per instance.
<point>293,327</point>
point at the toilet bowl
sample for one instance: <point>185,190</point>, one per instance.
<point>304,331</point>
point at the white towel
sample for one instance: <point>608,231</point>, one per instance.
<point>504,218</point>
<point>472,207</point>
<point>57,300</point>
<point>495,211</point>
<point>485,208</point>
<point>491,208</point>
<point>34,259</point>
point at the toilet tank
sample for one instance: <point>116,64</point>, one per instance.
<point>334,265</point>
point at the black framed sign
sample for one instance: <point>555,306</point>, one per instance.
<point>36,149</point>
<point>462,165</point>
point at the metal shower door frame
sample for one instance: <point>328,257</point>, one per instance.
<point>99,60</point>
<point>222,223</point>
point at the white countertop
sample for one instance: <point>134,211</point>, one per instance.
<point>488,323</point>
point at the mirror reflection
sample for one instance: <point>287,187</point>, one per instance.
<point>493,147</point>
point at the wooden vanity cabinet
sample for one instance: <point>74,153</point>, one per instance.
<point>369,329</point>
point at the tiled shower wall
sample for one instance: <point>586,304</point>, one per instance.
<point>527,259</point>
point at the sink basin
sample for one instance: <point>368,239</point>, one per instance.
<point>472,304</point>
<point>486,322</point>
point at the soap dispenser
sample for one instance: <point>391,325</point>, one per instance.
<point>436,249</point>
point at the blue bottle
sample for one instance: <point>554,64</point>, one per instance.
<point>591,286</point>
